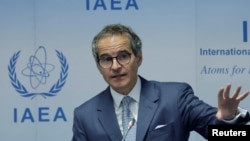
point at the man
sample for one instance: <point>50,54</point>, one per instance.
<point>160,111</point>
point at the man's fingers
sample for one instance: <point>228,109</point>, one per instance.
<point>236,93</point>
<point>224,93</point>
<point>243,96</point>
<point>227,91</point>
<point>220,94</point>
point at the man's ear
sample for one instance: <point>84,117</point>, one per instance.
<point>99,67</point>
<point>139,58</point>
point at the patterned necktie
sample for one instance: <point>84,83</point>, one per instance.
<point>126,118</point>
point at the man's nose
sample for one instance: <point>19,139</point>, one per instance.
<point>115,64</point>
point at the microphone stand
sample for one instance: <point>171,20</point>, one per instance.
<point>130,125</point>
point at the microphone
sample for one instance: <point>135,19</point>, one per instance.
<point>130,125</point>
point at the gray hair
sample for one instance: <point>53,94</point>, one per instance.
<point>117,29</point>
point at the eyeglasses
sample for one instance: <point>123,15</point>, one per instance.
<point>122,58</point>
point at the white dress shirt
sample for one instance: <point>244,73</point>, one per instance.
<point>134,105</point>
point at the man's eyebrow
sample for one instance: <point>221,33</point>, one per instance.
<point>105,56</point>
<point>121,51</point>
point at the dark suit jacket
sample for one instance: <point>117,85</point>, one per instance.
<point>171,104</point>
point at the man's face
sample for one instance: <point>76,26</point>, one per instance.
<point>121,78</point>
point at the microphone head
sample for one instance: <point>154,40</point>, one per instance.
<point>131,123</point>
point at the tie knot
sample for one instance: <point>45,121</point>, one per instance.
<point>126,101</point>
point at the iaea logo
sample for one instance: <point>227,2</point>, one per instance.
<point>38,70</point>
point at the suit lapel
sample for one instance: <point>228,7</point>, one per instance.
<point>147,107</point>
<point>107,116</point>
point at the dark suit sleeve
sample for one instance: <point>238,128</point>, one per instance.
<point>78,133</point>
<point>196,114</point>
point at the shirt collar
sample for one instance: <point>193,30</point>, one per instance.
<point>134,93</point>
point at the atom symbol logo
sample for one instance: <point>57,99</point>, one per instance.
<point>38,70</point>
